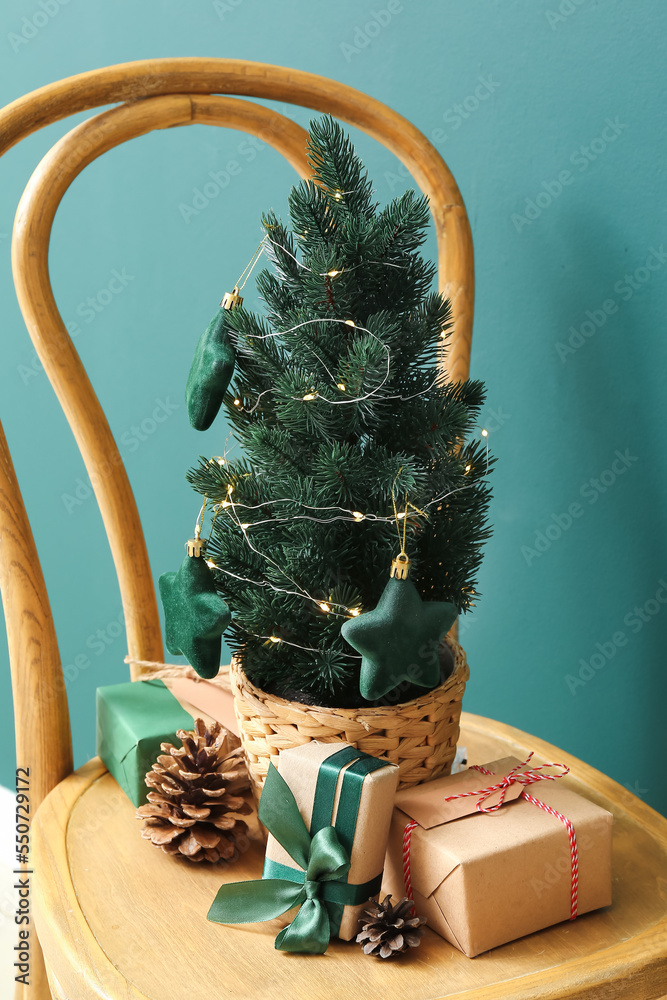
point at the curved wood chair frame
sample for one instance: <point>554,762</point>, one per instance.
<point>160,93</point>
<point>43,739</point>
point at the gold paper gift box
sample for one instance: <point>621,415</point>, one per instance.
<point>485,878</point>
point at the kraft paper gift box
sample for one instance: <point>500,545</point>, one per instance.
<point>482,879</point>
<point>133,719</point>
<point>362,784</point>
<point>327,809</point>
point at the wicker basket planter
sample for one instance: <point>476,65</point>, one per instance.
<point>419,735</point>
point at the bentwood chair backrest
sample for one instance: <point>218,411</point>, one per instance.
<point>156,94</point>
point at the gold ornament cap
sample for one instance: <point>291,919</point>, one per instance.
<point>400,566</point>
<point>195,547</point>
<point>232,300</point>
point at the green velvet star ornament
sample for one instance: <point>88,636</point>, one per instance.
<point>399,640</point>
<point>195,615</point>
<point>210,373</point>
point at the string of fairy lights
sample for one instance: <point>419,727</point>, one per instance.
<point>310,396</point>
<point>230,506</point>
<point>334,273</point>
<point>328,607</point>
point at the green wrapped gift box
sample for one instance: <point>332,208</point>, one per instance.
<point>133,719</point>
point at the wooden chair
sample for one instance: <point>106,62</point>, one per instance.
<point>115,917</point>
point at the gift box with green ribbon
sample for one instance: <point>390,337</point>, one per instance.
<point>327,810</point>
<point>133,719</point>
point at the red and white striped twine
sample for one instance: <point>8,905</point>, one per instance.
<point>407,837</point>
<point>574,853</point>
<point>478,767</point>
<point>516,775</point>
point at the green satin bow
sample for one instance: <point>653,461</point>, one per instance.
<point>323,861</point>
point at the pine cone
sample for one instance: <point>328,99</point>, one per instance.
<point>390,929</point>
<point>195,790</point>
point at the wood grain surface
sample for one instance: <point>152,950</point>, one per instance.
<point>43,743</point>
<point>118,918</point>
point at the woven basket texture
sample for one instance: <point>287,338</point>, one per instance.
<point>419,735</point>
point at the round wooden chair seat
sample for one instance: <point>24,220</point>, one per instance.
<point>118,918</point>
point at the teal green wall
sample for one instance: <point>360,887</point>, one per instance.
<point>568,217</point>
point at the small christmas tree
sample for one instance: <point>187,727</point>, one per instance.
<point>349,432</point>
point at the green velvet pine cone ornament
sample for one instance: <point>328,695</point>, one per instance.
<point>210,373</point>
